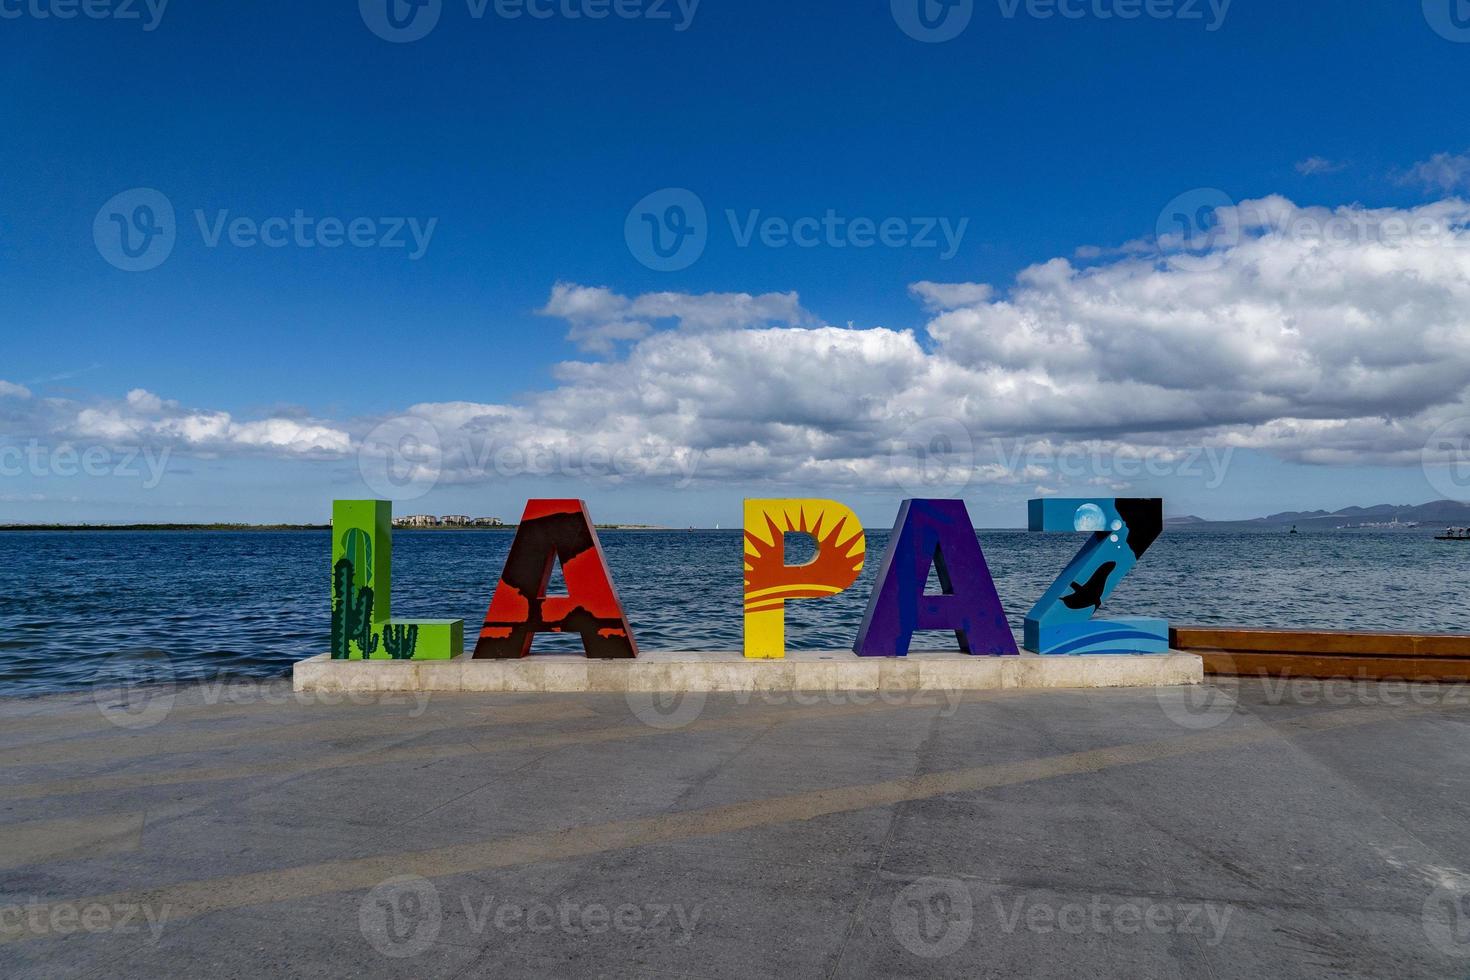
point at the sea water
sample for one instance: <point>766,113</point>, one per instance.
<point>81,608</point>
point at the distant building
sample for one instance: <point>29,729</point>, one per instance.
<point>451,520</point>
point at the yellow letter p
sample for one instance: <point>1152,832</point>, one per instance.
<point>769,581</point>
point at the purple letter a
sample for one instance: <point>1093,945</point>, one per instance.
<point>934,533</point>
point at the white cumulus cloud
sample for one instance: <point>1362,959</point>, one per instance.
<point>600,318</point>
<point>1320,335</point>
<point>1442,173</point>
<point>142,418</point>
<point>1314,166</point>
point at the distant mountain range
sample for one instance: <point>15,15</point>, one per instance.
<point>1447,512</point>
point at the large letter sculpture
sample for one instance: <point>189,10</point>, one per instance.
<point>934,534</point>
<point>769,581</point>
<point>552,530</point>
<point>1122,529</point>
<point>362,593</point>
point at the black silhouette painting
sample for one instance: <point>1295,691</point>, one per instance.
<point>1090,594</point>
<point>551,531</point>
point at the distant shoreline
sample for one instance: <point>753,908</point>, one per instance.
<point>165,527</point>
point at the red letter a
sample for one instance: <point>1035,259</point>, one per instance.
<point>551,530</point>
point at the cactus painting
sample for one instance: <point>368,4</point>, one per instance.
<point>400,640</point>
<point>352,614</point>
<point>357,547</point>
<point>362,593</point>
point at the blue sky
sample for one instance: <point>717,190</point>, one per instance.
<point>523,143</point>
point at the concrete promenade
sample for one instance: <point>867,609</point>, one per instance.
<point>1242,829</point>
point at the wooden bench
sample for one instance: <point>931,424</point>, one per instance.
<point>1327,653</point>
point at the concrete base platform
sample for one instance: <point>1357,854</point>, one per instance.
<point>731,672</point>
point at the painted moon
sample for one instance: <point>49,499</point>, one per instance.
<point>1089,517</point>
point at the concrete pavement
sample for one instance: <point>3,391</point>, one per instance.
<point>1242,829</point>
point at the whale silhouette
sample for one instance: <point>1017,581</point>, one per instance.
<point>1090,594</point>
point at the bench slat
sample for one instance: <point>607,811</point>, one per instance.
<point>1341,643</point>
<point>1316,666</point>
